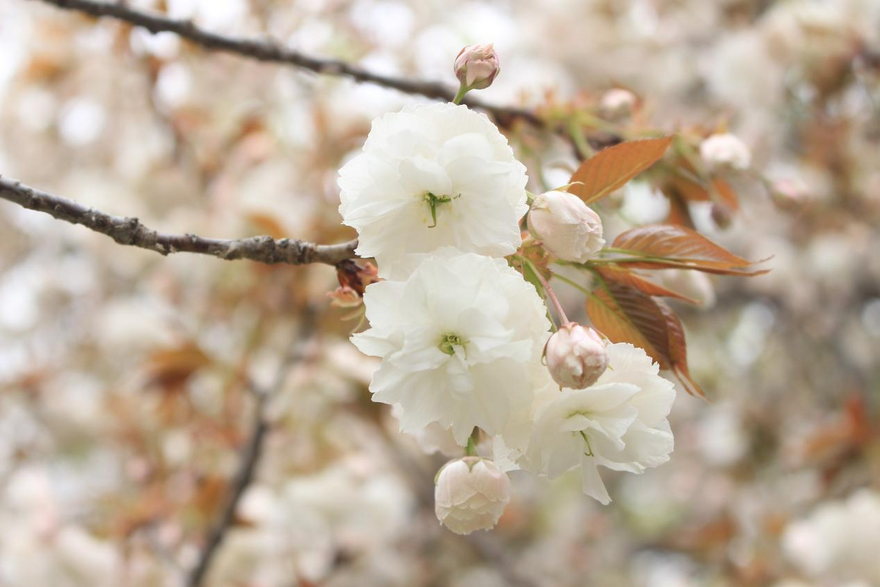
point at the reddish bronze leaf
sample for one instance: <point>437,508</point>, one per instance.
<point>621,320</point>
<point>626,277</point>
<point>169,368</point>
<point>625,314</point>
<point>679,213</point>
<point>678,350</point>
<point>672,246</point>
<point>726,193</point>
<point>611,168</point>
<point>690,189</point>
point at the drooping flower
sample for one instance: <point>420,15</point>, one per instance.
<point>576,356</point>
<point>725,151</point>
<point>429,177</point>
<point>456,338</point>
<point>568,228</point>
<point>619,423</point>
<point>471,494</point>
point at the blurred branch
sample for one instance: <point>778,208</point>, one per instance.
<point>252,451</point>
<point>250,456</point>
<point>130,231</point>
<point>269,51</point>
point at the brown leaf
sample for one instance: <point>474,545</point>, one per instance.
<point>726,194</point>
<point>267,224</point>
<point>625,314</point>
<point>679,213</point>
<point>678,350</point>
<point>672,246</point>
<point>689,190</point>
<point>626,277</point>
<point>611,168</point>
<point>169,368</point>
<point>690,186</point>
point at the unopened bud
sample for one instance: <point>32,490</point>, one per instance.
<point>345,297</point>
<point>471,494</point>
<point>356,277</point>
<point>567,227</point>
<point>617,104</point>
<point>789,194</point>
<point>721,215</point>
<point>725,151</point>
<point>476,66</point>
<point>576,356</point>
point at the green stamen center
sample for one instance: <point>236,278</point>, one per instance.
<point>589,451</point>
<point>448,342</point>
<point>433,201</point>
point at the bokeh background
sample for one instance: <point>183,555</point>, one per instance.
<point>125,376</point>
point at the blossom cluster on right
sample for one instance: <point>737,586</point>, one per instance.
<point>459,315</point>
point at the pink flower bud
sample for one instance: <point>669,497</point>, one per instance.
<point>476,66</point>
<point>721,215</point>
<point>576,356</point>
<point>345,297</point>
<point>568,228</point>
<point>471,494</point>
<point>617,104</point>
<point>725,152</point>
<point>789,194</point>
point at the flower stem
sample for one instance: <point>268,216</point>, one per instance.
<point>559,311</point>
<point>580,142</point>
<point>574,284</point>
<point>462,90</point>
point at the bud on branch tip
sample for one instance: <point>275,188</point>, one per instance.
<point>476,68</point>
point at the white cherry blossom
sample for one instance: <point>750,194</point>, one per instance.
<point>429,177</point>
<point>619,423</point>
<point>455,340</point>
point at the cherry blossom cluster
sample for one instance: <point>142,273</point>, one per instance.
<point>468,353</point>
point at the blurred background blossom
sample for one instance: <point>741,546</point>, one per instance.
<point>126,378</point>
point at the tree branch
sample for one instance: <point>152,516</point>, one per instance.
<point>267,50</point>
<point>251,453</point>
<point>250,456</point>
<point>130,231</point>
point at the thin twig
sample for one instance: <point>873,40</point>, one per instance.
<point>250,456</point>
<point>270,51</point>
<point>251,453</point>
<point>130,231</point>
